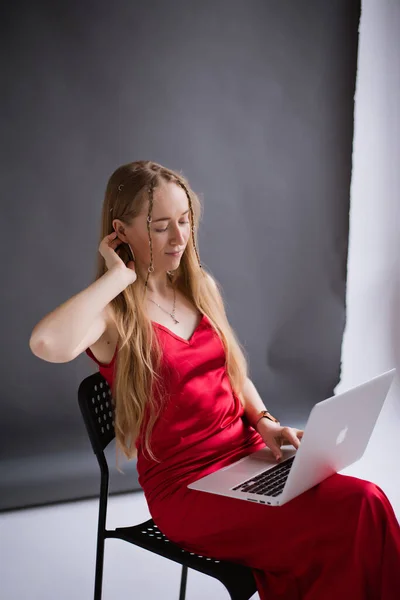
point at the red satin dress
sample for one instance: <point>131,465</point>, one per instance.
<point>338,541</point>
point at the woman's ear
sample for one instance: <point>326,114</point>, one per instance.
<point>120,230</point>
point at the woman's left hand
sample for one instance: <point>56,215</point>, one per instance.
<point>275,436</point>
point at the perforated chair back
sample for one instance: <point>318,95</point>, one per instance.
<point>97,407</point>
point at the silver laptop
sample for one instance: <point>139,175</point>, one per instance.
<point>336,435</point>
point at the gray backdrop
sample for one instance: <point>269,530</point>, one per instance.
<point>253,100</point>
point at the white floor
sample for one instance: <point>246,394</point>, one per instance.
<point>48,553</point>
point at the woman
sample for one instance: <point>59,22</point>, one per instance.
<point>154,322</point>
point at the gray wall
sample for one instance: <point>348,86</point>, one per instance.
<point>253,100</point>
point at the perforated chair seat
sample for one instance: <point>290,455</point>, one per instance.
<point>237,579</point>
<point>97,407</point>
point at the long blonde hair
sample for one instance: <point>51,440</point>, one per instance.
<point>139,354</point>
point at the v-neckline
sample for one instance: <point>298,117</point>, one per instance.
<point>178,337</point>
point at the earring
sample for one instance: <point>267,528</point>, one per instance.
<point>133,256</point>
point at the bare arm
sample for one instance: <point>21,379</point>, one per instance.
<point>273,434</point>
<point>252,401</point>
<point>80,321</point>
<point>253,404</point>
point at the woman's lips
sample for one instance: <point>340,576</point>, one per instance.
<point>174,253</point>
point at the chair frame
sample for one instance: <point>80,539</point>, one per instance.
<point>96,405</point>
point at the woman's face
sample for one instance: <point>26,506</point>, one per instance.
<point>170,229</point>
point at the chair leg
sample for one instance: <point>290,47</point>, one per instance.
<point>182,591</point>
<point>101,527</point>
<point>98,582</point>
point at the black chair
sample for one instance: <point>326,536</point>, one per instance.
<point>96,405</point>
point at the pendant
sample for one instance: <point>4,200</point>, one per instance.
<point>175,320</point>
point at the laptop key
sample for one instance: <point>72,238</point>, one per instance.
<point>267,480</point>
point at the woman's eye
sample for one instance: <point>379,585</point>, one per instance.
<point>162,230</point>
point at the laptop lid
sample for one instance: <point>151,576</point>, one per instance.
<point>337,433</point>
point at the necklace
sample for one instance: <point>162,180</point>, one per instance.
<point>171,314</point>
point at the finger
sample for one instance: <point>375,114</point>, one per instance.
<point>115,242</point>
<point>275,449</point>
<point>291,436</point>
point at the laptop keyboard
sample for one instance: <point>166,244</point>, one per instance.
<point>268,483</point>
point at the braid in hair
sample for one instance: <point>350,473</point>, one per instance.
<point>151,267</point>
<point>193,226</point>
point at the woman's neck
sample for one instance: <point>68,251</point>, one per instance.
<point>159,286</point>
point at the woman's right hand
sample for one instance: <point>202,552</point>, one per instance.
<point>107,249</point>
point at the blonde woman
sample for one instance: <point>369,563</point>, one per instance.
<point>154,322</point>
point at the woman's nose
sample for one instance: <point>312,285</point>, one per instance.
<point>177,237</point>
